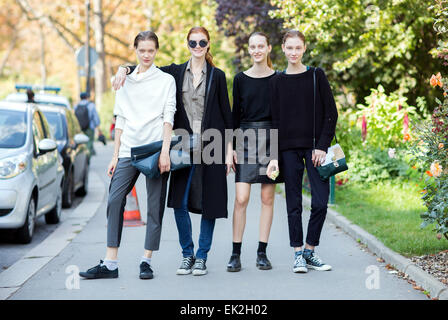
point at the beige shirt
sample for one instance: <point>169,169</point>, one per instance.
<point>193,98</point>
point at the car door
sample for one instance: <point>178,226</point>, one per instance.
<point>78,159</point>
<point>44,165</point>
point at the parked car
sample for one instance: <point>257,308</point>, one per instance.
<point>31,171</point>
<point>41,95</point>
<point>73,149</point>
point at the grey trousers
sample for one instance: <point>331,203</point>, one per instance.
<point>122,182</point>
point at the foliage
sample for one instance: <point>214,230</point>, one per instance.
<point>374,164</point>
<point>364,43</point>
<point>430,146</point>
<point>385,119</point>
<point>239,18</point>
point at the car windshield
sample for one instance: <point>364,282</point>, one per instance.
<point>55,121</point>
<point>12,128</point>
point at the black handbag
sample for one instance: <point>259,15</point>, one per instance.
<point>335,159</point>
<point>146,158</point>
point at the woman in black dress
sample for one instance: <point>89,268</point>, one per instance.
<point>251,112</point>
<point>202,103</point>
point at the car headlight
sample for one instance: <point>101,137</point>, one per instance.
<point>12,166</point>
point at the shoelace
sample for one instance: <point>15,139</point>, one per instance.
<point>186,263</point>
<point>200,263</point>
<point>146,267</point>
<point>95,268</point>
<point>299,261</point>
<point>316,260</point>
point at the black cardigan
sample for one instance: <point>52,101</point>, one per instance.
<point>292,98</point>
<point>211,200</point>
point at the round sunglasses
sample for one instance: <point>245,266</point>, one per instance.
<point>193,43</point>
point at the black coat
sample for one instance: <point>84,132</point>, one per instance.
<point>208,192</point>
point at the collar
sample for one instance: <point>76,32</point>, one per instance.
<point>204,67</point>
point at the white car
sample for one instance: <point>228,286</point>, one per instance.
<point>31,170</point>
<point>41,96</point>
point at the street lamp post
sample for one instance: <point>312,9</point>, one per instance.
<point>87,51</point>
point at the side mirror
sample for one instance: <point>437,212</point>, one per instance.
<point>47,145</point>
<point>81,138</point>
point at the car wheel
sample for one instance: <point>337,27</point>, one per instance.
<point>68,193</point>
<point>85,183</point>
<point>54,216</point>
<point>25,233</point>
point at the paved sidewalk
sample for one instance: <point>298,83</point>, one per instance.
<point>356,273</point>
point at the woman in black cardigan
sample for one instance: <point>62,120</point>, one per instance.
<point>304,137</point>
<point>203,188</point>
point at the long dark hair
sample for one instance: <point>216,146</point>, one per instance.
<point>259,33</point>
<point>144,36</point>
<point>208,55</point>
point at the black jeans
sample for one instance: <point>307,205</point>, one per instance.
<point>293,163</point>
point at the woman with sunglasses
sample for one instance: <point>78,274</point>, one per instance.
<point>251,112</point>
<point>304,137</point>
<point>202,103</point>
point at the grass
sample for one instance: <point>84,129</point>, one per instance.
<point>391,212</point>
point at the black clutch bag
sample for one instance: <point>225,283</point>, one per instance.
<point>146,158</point>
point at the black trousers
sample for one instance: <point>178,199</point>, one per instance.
<point>293,163</point>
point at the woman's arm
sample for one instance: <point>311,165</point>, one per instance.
<point>122,72</point>
<point>330,115</point>
<point>236,109</point>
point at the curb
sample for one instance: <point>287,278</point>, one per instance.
<point>422,278</point>
<point>13,278</point>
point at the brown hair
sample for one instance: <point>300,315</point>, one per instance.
<point>258,33</point>
<point>208,55</point>
<point>145,36</point>
<point>293,34</point>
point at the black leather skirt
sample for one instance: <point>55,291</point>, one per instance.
<point>254,149</point>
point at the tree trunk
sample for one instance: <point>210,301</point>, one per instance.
<point>8,52</point>
<point>100,68</point>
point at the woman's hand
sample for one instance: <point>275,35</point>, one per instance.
<point>318,157</point>
<point>119,79</point>
<point>229,163</point>
<point>112,166</point>
<point>164,162</point>
<point>272,169</point>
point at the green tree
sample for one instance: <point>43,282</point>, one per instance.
<point>363,43</point>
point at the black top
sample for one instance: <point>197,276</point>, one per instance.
<point>250,99</point>
<point>292,98</point>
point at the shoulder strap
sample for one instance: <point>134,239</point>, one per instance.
<point>208,87</point>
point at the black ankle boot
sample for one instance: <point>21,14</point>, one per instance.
<point>234,264</point>
<point>263,262</point>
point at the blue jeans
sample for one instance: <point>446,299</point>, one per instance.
<point>183,223</point>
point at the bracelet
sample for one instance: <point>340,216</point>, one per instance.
<point>126,67</point>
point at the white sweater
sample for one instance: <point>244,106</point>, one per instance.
<point>142,105</point>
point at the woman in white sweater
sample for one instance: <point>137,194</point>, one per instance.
<point>145,108</point>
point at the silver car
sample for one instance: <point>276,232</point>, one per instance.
<point>31,171</point>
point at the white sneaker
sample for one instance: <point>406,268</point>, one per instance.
<point>316,263</point>
<point>299,264</point>
<point>199,268</point>
<point>185,266</point>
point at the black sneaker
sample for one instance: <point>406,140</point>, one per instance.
<point>199,268</point>
<point>100,271</point>
<point>314,262</point>
<point>146,271</point>
<point>186,265</point>
<point>263,262</point>
<point>234,264</point>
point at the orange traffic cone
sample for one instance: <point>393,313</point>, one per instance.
<point>131,211</point>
